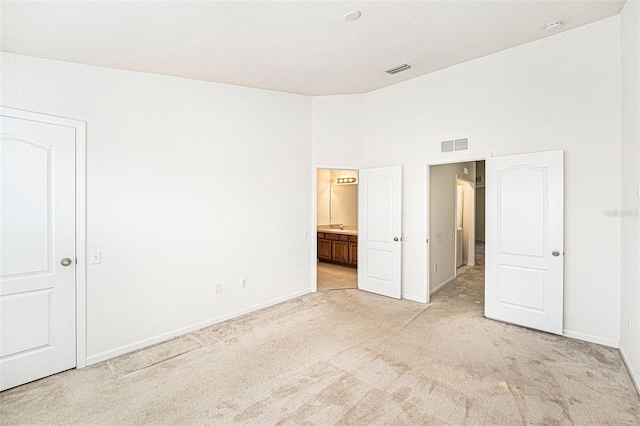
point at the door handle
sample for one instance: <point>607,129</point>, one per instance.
<point>396,239</point>
<point>555,253</point>
<point>65,262</point>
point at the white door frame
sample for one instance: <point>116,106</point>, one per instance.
<point>426,164</point>
<point>80,131</point>
<point>314,217</point>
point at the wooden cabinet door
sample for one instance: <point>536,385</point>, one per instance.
<point>324,249</point>
<point>353,253</point>
<point>340,251</point>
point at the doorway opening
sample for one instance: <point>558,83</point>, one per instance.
<point>455,220</point>
<point>337,229</point>
<point>524,236</point>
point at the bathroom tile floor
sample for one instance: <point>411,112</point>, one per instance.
<point>336,277</point>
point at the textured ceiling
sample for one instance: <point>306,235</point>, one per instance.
<point>292,46</point>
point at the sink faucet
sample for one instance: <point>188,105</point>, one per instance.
<point>341,227</point>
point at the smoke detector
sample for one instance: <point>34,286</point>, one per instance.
<point>553,25</point>
<point>352,15</point>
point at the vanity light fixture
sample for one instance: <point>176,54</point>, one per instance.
<point>346,180</point>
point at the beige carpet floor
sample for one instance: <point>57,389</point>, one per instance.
<point>346,357</point>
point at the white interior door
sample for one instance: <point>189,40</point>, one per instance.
<point>37,238</point>
<point>379,231</point>
<point>524,240</point>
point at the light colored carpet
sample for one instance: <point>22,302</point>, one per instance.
<point>346,357</point>
<point>336,277</point>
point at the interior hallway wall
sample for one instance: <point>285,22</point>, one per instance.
<point>189,184</point>
<point>468,220</point>
<point>630,167</point>
<point>561,92</point>
<point>480,211</point>
<point>480,201</point>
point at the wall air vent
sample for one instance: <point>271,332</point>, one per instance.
<point>397,69</point>
<point>461,144</point>
<point>454,145</point>
<point>446,146</point>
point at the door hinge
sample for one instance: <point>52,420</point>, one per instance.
<point>427,241</point>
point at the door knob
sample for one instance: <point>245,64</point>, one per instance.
<point>555,253</point>
<point>65,262</point>
<point>395,238</point>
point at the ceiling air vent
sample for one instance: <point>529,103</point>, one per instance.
<point>397,69</point>
<point>454,145</point>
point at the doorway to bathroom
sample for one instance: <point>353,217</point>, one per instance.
<point>337,229</point>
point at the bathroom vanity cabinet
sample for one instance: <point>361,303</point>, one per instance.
<point>339,248</point>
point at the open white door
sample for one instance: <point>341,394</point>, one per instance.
<point>37,240</point>
<point>379,230</point>
<point>524,240</point>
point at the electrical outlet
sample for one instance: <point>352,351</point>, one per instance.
<point>305,235</point>
<point>244,283</point>
<point>96,257</point>
<point>218,288</point>
<point>407,238</point>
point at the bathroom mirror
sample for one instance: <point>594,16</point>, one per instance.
<point>344,205</point>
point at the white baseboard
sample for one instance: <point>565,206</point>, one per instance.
<point>413,298</point>
<point>589,338</point>
<point>112,353</point>
<point>441,286</point>
<point>634,378</point>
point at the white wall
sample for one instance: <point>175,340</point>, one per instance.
<point>338,130</point>
<point>442,223</point>
<point>630,160</point>
<point>561,92</point>
<point>189,184</point>
<point>323,197</point>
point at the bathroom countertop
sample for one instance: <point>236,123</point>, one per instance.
<point>337,230</point>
